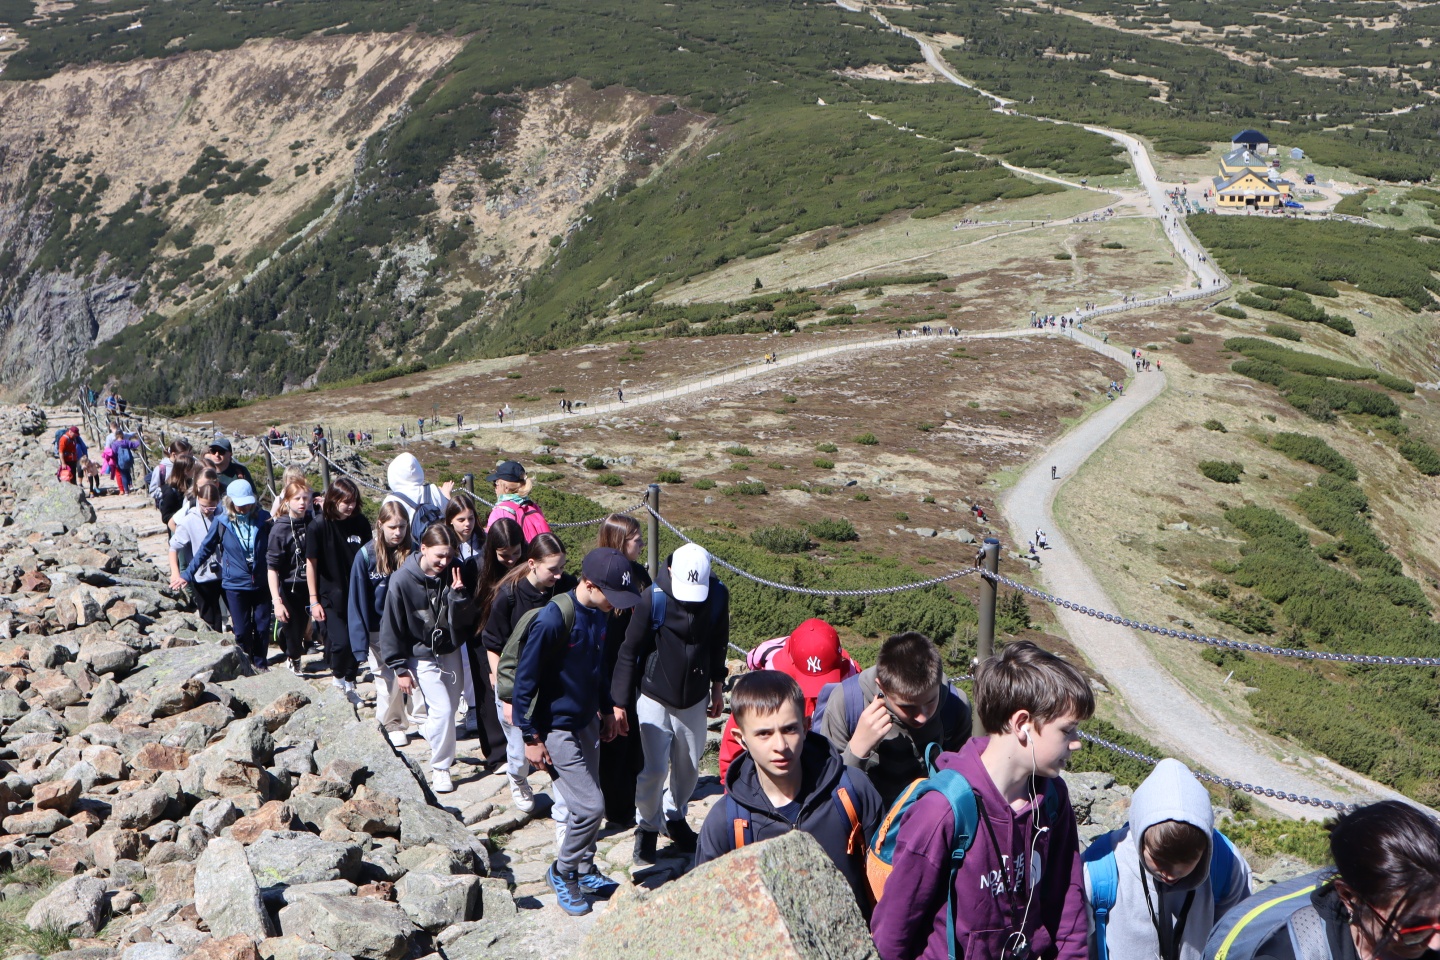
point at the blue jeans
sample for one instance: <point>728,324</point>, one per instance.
<point>250,619</point>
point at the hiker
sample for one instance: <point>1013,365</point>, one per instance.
<point>790,778</point>
<point>528,586</point>
<point>1380,901</point>
<point>240,537</point>
<point>1018,892</point>
<point>424,503</point>
<point>1157,885</point>
<point>67,447</point>
<point>172,494</point>
<point>221,457</point>
<point>332,540</point>
<point>562,705</point>
<point>811,655</point>
<point>427,617</point>
<point>1054,472</point>
<point>192,526</point>
<point>123,446</point>
<point>622,758</point>
<point>678,638</point>
<point>512,499</point>
<point>156,481</point>
<point>285,565</point>
<point>375,564</point>
<point>91,471</point>
<point>503,548</point>
<point>277,508</point>
<point>885,719</point>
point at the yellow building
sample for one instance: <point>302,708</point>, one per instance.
<point>1248,189</point>
<point>1238,161</point>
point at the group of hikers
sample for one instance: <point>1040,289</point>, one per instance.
<point>955,844</point>
<point>117,458</point>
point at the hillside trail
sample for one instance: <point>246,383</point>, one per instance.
<point>1170,714</point>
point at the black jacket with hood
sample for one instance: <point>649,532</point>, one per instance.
<point>820,816</point>
<point>513,601</point>
<point>678,665</point>
<point>285,550</point>
<point>416,605</point>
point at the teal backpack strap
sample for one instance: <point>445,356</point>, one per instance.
<point>1100,867</point>
<point>1222,865</point>
<point>967,818</point>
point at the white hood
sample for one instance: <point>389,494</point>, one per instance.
<point>407,478</point>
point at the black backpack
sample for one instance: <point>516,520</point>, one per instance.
<point>422,514</point>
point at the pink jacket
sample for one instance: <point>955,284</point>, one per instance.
<point>532,521</point>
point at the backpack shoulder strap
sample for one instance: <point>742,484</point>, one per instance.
<point>1307,935</point>
<point>1104,874</point>
<point>854,702</point>
<point>957,790</point>
<point>405,500</point>
<point>821,699</point>
<point>845,798</point>
<point>739,819</point>
<point>566,603</point>
<point>657,609</point>
<point>1222,865</point>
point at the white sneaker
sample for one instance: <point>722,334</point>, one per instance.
<point>398,738</point>
<point>351,693</point>
<point>560,834</point>
<point>440,781</point>
<point>521,795</point>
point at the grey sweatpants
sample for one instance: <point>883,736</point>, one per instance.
<point>674,742</point>
<point>576,757</point>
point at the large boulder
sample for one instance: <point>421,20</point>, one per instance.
<point>363,927</point>
<point>76,907</point>
<point>174,665</point>
<point>56,503</point>
<point>288,857</point>
<point>435,901</point>
<point>795,904</point>
<point>226,895</point>
<point>422,824</point>
<point>330,721</point>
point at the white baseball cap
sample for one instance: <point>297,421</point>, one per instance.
<point>690,573</point>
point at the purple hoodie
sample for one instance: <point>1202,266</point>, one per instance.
<point>909,921</point>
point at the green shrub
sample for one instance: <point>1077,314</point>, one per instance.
<point>833,529</point>
<point>789,398</point>
<point>704,483</point>
<point>842,310</point>
<point>1308,449</point>
<point>862,497</point>
<point>1234,313</point>
<point>1222,471</point>
<point>1283,332</point>
<point>739,451</point>
<point>669,476</point>
<point>513,375</point>
<point>1422,456</point>
<point>1063,256</point>
<point>672,435</point>
<point>781,539</point>
<point>611,480</point>
<point>594,463</point>
<point>821,463</point>
<point>748,488</point>
<point>827,448</point>
<point>925,427</point>
<point>1112,245</point>
<point>1216,425</point>
<point>1187,339</point>
<point>867,439</point>
<point>548,477</point>
<point>546,459</point>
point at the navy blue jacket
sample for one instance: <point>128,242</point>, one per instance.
<point>562,677</point>
<point>235,572</point>
<point>366,601</point>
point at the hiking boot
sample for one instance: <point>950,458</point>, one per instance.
<point>682,838</point>
<point>569,895</point>
<point>522,796</point>
<point>440,781</point>
<point>645,846</point>
<point>295,666</point>
<point>398,738</point>
<point>597,885</point>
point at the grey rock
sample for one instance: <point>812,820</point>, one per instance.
<point>435,900</point>
<point>56,503</point>
<point>259,691</point>
<point>215,814</point>
<point>76,907</point>
<point>925,532</point>
<point>49,653</point>
<point>331,722</point>
<point>137,810</point>
<point>421,824</point>
<point>177,664</point>
<point>434,858</point>
<point>277,897</point>
<point>153,951</point>
<point>226,894</point>
<point>248,742</point>
<point>798,907</point>
<point>39,720</point>
<point>295,759</point>
<point>108,656</point>
<point>290,857</point>
<point>360,926</point>
<point>964,536</point>
<point>105,701</point>
<point>12,705</point>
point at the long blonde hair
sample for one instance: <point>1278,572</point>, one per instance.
<point>388,558</point>
<point>504,487</point>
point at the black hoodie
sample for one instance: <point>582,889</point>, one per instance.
<point>285,550</point>
<point>513,601</point>
<point>678,666</point>
<point>820,815</point>
<point>416,605</point>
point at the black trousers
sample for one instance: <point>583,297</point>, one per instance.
<point>621,761</point>
<point>291,636</point>
<point>209,598</point>
<point>337,642</point>
<point>492,737</point>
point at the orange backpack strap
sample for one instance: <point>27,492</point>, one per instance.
<point>856,841</point>
<point>739,820</point>
<point>739,833</point>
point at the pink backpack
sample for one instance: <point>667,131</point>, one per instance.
<point>532,521</point>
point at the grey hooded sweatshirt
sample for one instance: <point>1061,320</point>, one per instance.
<point>1171,792</point>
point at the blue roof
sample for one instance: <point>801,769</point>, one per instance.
<point>1249,136</point>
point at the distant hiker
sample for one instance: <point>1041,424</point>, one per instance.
<point>121,404</point>
<point>1054,474</point>
<point>500,415</point>
<point>619,394</point>
<point>123,445</point>
<point>158,476</point>
<point>91,471</point>
<point>459,420</point>
<point>421,421</point>
<point>69,450</point>
<point>512,500</point>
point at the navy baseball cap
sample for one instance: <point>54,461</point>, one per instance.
<point>611,571</point>
<point>509,470</point>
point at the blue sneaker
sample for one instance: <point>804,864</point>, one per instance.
<point>568,893</point>
<point>597,884</point>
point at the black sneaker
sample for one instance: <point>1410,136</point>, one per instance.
<point>681,836</point>
<point>645,846</point>
<point>598,885</point>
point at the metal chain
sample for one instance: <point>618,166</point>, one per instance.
<point>1223,781</point>
<point>1220,642</point>
<point>810,591</point>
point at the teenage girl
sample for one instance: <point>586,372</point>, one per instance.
<point>285,558</point>
<point>370,577</point>
<point>331,543</point>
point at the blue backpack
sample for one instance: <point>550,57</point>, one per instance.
<point>1099,861</point>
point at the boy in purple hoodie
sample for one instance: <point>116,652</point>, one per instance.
<point>1019,894</point>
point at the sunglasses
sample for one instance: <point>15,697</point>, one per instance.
<point>1407,936</point>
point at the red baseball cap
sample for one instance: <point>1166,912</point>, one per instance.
<point>812,655</point>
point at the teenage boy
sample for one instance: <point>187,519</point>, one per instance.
<point>790,779</point>
<point>1018,894</point>
<point>562,705</point>
<point>682,668</point>
<point>1166,876</point>
<point>884,720</point>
